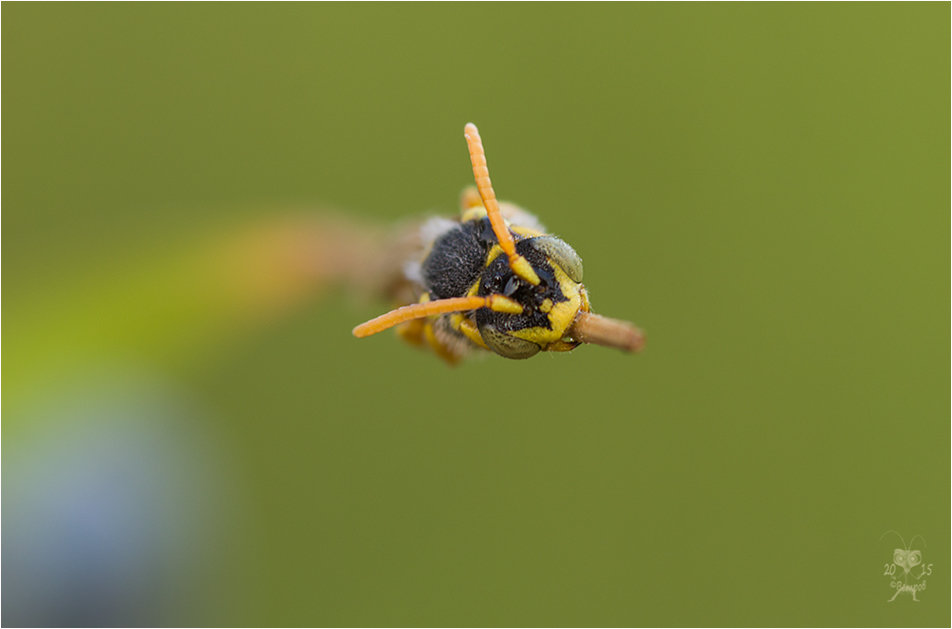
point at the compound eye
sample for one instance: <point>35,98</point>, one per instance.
<point>559,252</point>
<point>507,345</point>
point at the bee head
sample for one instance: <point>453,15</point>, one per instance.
<point>548,307</point>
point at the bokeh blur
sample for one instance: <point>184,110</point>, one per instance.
<point>191,435</point>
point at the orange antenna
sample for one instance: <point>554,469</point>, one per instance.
<point>499,303</point>
<point>519,265</point>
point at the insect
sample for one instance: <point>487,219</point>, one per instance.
<point>495,280</point>
<point>905,557</point>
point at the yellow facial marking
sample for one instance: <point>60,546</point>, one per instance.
<point>546,305</point>
<point>493,254</point>
<point>561,314</point>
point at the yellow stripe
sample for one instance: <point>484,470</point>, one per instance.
<point>469,329</point>
<point>525,232</point>
<point>473,289</point>
<point>474,214</point>
<point>493,254</point>
<point>560,315</point>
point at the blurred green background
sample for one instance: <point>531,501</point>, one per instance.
<point>763,187</point>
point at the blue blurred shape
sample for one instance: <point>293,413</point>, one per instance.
<point>109,498</point>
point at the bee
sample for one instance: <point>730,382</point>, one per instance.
<point>495,280</point>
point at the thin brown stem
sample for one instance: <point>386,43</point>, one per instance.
<point>598,330</point>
